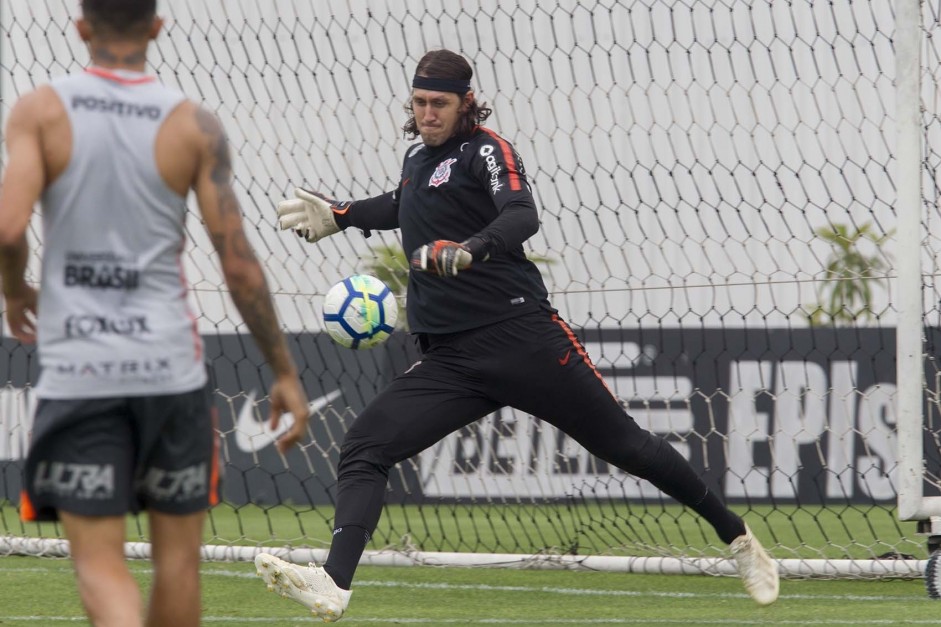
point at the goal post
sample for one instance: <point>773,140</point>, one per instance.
<point>909,41</point>
<point>733,218</point>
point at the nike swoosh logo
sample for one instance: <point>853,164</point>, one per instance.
<point>565,360</point>
<point>252,435</point>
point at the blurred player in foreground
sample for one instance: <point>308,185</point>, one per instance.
<point>488,334</point>
<point>125,419</point>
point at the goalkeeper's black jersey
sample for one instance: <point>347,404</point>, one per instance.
<point>469,186</point>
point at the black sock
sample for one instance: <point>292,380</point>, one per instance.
<point>672,474</point>
<point>727,524</point>
<point>347,547</point>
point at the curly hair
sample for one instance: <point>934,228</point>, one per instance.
<point>128,18</point>
<point>450,65</point>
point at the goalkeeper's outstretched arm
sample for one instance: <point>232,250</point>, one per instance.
<point>314,216</point>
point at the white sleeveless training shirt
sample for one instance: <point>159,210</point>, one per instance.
<point>113,312</point>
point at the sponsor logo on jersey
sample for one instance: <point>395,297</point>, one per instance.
<point>103,271</point>
<point>104,277</point>
<point>493,167</point>
<point>146,370</point>
<point>85,326</point>
<point>252,435</point>
<point>115,107</point>
<point>442,173</point>
<point>78,481</point>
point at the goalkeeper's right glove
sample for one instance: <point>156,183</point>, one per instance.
<point>442,257</point>
<point>310,214</point>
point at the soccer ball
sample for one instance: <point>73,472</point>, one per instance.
<point>360,311</point>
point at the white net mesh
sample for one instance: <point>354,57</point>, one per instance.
<point>716,190</point>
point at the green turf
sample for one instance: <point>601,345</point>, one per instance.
<point>810,532</point>
<point>45,592</point>
<point>37,591</point>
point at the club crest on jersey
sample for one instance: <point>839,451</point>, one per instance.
<point>442,173</point>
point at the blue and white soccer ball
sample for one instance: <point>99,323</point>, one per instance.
<point>360,312</point>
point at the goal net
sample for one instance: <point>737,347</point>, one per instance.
<point>718,186</point>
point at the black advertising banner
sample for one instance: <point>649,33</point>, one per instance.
<point>775,415</point>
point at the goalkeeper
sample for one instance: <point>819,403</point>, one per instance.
<point>488,334</point>
<point>125,419</point>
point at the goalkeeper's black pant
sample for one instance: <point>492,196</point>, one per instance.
<point>533,363</point>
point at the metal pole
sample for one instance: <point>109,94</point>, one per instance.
<point>909,352</point>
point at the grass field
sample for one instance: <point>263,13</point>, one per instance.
<point>35,591</point>
<point>41,591</point>
<point>808,532</point>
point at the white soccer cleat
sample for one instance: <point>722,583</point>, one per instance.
<point>310,586</point>
<point>758,571</point>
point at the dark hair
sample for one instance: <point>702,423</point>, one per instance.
<point>449,65</point>
<point>129,18</point>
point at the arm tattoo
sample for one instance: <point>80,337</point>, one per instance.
<point>228,240</point>
<point>250,292</point>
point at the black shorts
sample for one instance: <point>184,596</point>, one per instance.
<point>533,363</point>
<point>113,456</point>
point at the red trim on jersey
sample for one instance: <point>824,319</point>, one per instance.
<point>117,78</point>
<point>513,171</point>
<point>580,350</point>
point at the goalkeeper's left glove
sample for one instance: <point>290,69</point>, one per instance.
<point>310,214</point>
<point>442,257</point>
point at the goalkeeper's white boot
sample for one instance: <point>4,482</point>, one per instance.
<point>758,571</point>
<point>310,586</point>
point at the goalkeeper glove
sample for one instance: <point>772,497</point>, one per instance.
<point>441,257</point>
<point>310,214</point>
